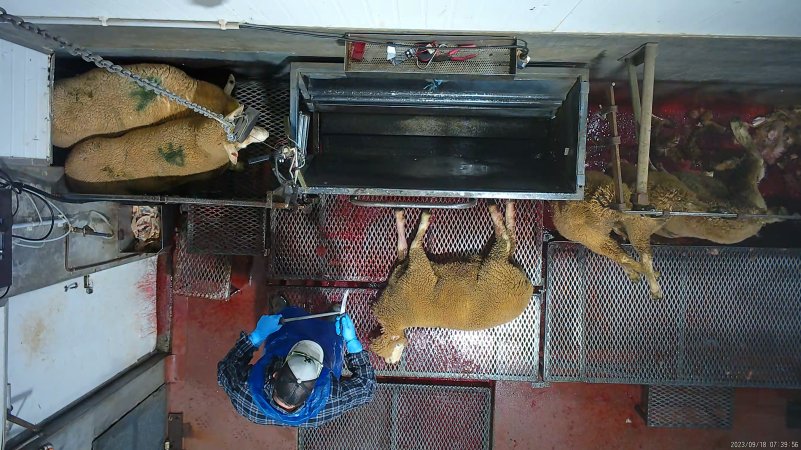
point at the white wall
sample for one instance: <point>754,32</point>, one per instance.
<point>25,104</point>
<point>62,345</point>
<point>696,17</point>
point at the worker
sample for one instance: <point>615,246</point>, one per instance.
<point>297,380</point>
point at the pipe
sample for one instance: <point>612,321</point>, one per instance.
<point>635,93</point>
<point>621,202</point>
<point>643,154</point>
<point>317,316</point>
<point>45,221</point>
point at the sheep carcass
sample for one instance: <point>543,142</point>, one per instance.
<point>465,295</point>
<point>101,103</point>
<point>591,221</point>
<point>155,159</point>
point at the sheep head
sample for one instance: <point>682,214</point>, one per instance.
<point>257,134</point>
<point>389,346</point>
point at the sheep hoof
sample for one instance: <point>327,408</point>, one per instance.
<point>633,275</point>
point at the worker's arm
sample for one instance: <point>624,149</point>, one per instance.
<point>359,388</point>
<point>233,370</point>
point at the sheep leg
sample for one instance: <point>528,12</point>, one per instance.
<point>425,219</point>
<point>604,245</point>
<point>502,245</point>
<point>400,224</point>
<point>639,232</point>
<point>511,228</point>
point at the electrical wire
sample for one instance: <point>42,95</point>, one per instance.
<point>67,231</point>
<point>350,38</point>
<point>52,222</point>
<point>7,182</point>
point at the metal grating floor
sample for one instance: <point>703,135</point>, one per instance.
<point>410,417</point>
<point>338,241</point>
<point>494,61</point>
<point>271,99</point>
<point>730,317</point>
<point>506,352</point>
<point>226,230</point>
<point>688,406</point>
<point>204,276</point>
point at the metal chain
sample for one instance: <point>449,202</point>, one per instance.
<point>102,63</point>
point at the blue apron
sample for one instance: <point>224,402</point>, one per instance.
<point>277,346</point>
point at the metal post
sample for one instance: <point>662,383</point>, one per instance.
<point>635,92</point>
<point>621,202</point>
<point>643,155</point>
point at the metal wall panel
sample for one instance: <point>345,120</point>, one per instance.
<point>25,104</point>
<point>688,17</point>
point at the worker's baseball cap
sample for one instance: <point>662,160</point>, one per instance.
<point>295,380</point>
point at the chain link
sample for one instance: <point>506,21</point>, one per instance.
<point>103,63</point>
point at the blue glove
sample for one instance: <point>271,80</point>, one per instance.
<point>267,325</point>
<point>347,330</point>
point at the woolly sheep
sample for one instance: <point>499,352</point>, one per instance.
<point>154,159</point>
<point>465,295</point>
<point>591,221</point>
<point>101,103</point>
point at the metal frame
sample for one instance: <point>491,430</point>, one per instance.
<point>645,55</point>
<point>687,406</point>
<point>334,71</point>
<point>470,203</point>
<point>728,318</point>
<point>406,41</point>
<point>78,425</point>
<point>384,423</point>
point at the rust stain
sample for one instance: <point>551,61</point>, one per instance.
<point>34,336</point>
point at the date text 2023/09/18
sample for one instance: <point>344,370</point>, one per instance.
<point>765,444</point>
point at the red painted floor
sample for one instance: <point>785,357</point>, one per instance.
<point>562,416</point>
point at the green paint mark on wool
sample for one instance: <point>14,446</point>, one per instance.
<point>143,96</point>
<point>173,155</point>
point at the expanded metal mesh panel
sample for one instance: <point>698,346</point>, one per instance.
<point>196,275</point>
<point>495,61</point>
<point>410,417</point>
<point>689,406</point>
<point>271,99</point>
<point>339,241</point>
<point>226,230</point>
<point>506,352</point>
<point>729,317</point>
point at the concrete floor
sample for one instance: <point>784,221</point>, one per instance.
<point>564,415</point>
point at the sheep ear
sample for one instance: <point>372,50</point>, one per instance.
<point>229,85</point>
